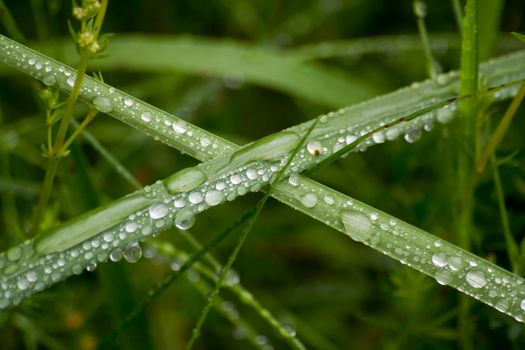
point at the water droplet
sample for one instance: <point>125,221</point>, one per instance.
<point>251,174</point>
<point>131,227</point>
<point>185,180</point>
<point>309,200</point>
<point>290,331</point>
<point>158,211</point>
<point>128,102</point>
<point>145,116</point>
<point>235,179</point>
<point>179,129</point>
<point>502,305</point>
<point>115,255</point>
<point>413,136</point>
<point>71,81</point>
<point>103,104</point>
<point>14,253</point>
<point>476,278</point>
<point>294,180</point>
<point>268,148</point>
<point>329,200</point>
<point>522,304</point>
<point>357,225</point>
<point>392,133</point>
<point>213,197</point>
<point>184,220</point>
<point>31,276</point>
<point>49,80</point>
<point>444,115</point>
<point>132,253</point>
<point>455,263</point>
<point>195,197</point>
<point>175,265</point>
<point>378,137</point>
<point>315,148</point>
<point>443,277</point>
<point>439,259</point>
<point>22,283</point>
<point>232,278</point>
<point>92,266</point>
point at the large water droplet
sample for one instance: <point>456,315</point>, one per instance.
<point>413,136</point>
<point>70,81</point>
<point>309,200</point>
<point>179,129</point>
<point>49,80</point>
<point>378,137</point>
<point>522,304</point>
<point>14,253</point>
<point>158,211</point>
<point>184,219</point>
<point>145,116</point>
<point>92,266</point>
<point>132,253</point>
<point>115,255</point>
<point>443,277</point>
<point>103,104</point>
<point>294,180</point>
<point>439,259</point>
<point>270,147</point>
<point>315,148</point>
<point>357,225</point>
<point>195,197</point>
<point>476,278</point>
<point>22,283</point>
<point>502,305</point>
<point>213,197</point>
<point>131,227</point>
<point>455,263</point>
<point>185,180</point>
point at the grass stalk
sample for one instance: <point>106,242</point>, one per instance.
<point>249,225</point>
<point>58,151</point>
<point>420,11</point>
<point>466,135</point>
<point>512,246</point>
<point>500,131</point>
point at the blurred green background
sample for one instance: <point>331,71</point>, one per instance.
<point>336,293</point>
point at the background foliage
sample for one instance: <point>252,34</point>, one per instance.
<point>335,292</point>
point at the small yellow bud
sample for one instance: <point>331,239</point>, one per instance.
<point>85,39</point>
<point>79,13</point>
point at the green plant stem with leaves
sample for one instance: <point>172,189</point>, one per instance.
<point>60,146</point>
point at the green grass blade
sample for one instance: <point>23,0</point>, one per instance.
<point>230,60</point>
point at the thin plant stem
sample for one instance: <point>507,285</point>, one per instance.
<point>153,294</point>
<point>465,181</point>
<point>501,130</point>
<point>117,165</point>
<point>240,242</point>
<point>458,15</point>
<point>512,246</point>
<point>58,151</point>
<point>89,117</point>
<point>420,11</point>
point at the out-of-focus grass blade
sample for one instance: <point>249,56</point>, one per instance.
<point>231,60</point>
